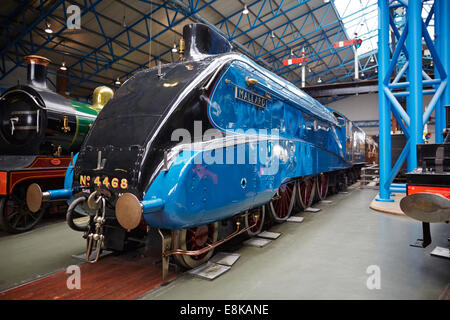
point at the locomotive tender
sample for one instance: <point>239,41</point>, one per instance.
<point>137,179</point>
<point>38,132</point>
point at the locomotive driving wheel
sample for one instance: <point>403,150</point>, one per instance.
<point>281,205</point>
<point>322,186</point>
<point>195,239</point>
<point>306,191</point>
<point>250,219</point>
<point>15,217</point>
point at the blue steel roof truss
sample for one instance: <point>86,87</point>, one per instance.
<point>90,63</point>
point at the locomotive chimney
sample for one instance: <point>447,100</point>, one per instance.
<point>37,71</point>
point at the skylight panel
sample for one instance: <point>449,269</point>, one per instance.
<point>361,17</point>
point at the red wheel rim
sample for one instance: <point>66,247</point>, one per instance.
<point>251,219</point>
<point>323,185</point>
<point>306,190</point>
<point>198,237</point>
<point>283,205</point>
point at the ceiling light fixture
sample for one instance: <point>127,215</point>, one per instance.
<point>63,66</point>
<point>272,35</point>
<point>319,80</point>
<point>245,11</point>
<point>174,49</point>
<point>292,52</point>
<point>48,29</point>
<point>117,83</point>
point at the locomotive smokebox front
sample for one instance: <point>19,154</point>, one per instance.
<point>22,110</point>
<point>36,120</point>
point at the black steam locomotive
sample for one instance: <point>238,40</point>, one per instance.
<point>39,130</point>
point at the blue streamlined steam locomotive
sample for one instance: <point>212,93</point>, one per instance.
<point>212,138</point>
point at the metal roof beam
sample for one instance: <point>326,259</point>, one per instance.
<point>122,44</point>
<point>361,57</point>
<point>329,50</point>
<point>284,27</point>
<point>202,20</point>
<point>283,8</point>
<point>16,44</point>
<point>299,38</point>
<point>306,42</point>
<point>171,24</point>
<point>319,28</point>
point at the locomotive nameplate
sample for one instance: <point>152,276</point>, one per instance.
<point>250,97</point>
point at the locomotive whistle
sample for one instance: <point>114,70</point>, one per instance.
<point>100,162</point>
<point>159,69</point>
<point>250,81</point>
<point>181,50</point>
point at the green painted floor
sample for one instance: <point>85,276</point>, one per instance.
<point>44,250</point>
<point>326,257</point>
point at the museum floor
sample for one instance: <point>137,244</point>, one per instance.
<point>324,257</point>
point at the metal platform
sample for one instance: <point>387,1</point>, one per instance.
<point>389,207</point>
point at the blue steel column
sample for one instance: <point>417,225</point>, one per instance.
<point>442,25</point>
<point>383,102</point>
<point>415,99</point>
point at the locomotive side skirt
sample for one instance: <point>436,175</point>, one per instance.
<point>304,145</point>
